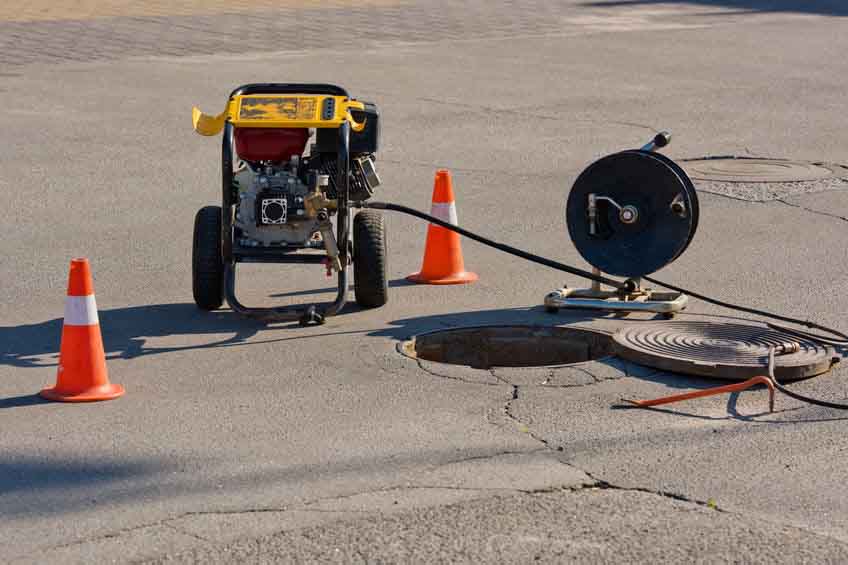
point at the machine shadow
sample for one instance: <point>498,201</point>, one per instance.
<point>535,315</point>
<point>822,7</point>
<point>126,330</point>
<point>332,289</point>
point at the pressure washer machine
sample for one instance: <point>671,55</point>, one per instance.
<point>279,200</point>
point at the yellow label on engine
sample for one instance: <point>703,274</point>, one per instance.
<point>278,108</point>
<point>280,111</point>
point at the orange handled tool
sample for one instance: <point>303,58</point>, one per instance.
<point>736,387</point>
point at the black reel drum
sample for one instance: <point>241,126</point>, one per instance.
<point>631,213</point>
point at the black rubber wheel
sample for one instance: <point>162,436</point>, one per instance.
<point>207,266</point>
<point>369,259</point>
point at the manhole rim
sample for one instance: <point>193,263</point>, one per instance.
<point>837,170</point>
<point>409,341</point>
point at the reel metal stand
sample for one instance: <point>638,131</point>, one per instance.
<point>629,214</point>
<point>596,298</point>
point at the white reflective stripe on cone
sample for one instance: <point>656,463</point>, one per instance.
<point>81,311</point>
<point>445,211</point>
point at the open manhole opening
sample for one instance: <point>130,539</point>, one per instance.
<point>485,347</point>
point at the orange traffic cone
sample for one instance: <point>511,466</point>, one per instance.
<point>443,262</point>
<point>82,375</point>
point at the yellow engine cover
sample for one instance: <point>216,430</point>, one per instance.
<point>280,111</point>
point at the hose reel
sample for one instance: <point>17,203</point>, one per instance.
<point>630,214</point>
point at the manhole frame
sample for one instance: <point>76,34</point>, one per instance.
<point>406,347</point>
<point>837,171</point>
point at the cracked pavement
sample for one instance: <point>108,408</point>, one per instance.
<point>240,442</point>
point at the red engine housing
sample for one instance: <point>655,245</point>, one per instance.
<point>270,144</point>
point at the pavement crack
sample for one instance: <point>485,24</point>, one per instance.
<point>522,427</point>
<point>307,506</point>
<point>433,373</point>
<point>605,485</point>
<point>636,125</point>
<point>185,532</point>
<point>257,510</point>
<point>593,376</point>
<point>494,374</point>
<point>528,113</point>
<point>492,456</point>
<point>113,534</point>
<point>810,210</point>
<point>551,376</point>
<point>596,379</point>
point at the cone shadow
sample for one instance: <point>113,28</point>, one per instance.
<point>126,332</point>
<point>20,401</point>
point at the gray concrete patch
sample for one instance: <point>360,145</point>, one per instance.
<point>758,169</point>
<point>770,191</point>
<point>140,543</point>
<point>587,526</point>
<point>758,179</point>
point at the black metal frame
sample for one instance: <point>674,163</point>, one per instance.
<point>233,254</point>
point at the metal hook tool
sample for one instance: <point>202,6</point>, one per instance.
<point>769,381</point>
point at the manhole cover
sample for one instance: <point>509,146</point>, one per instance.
<point>508,346</point>
<point>749,169</point>
<point>724,351</point>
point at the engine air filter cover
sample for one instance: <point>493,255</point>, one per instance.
<point>644,216</point>
<point>719,350</point>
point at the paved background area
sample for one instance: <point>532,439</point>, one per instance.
<point>240,441</point>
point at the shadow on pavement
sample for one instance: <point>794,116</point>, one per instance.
<point>125,331</point>
<point>407,327</point>
<point>19,401</point>
<point>26,473</point>
<point>43,486</point>
<point>824,7</point>
<point>332,289</point>
<point>804,414</point>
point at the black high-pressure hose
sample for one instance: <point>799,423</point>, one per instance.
<point>842,342</point>
<point>626,286</point>
<point>630,285</point>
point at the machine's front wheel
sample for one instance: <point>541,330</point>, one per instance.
<point>207,265</point>
<point>369,259</point>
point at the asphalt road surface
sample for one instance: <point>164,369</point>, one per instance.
<point>242,442</point>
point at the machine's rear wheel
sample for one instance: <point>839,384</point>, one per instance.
<point>207,266</point>
<point>369,259</point>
